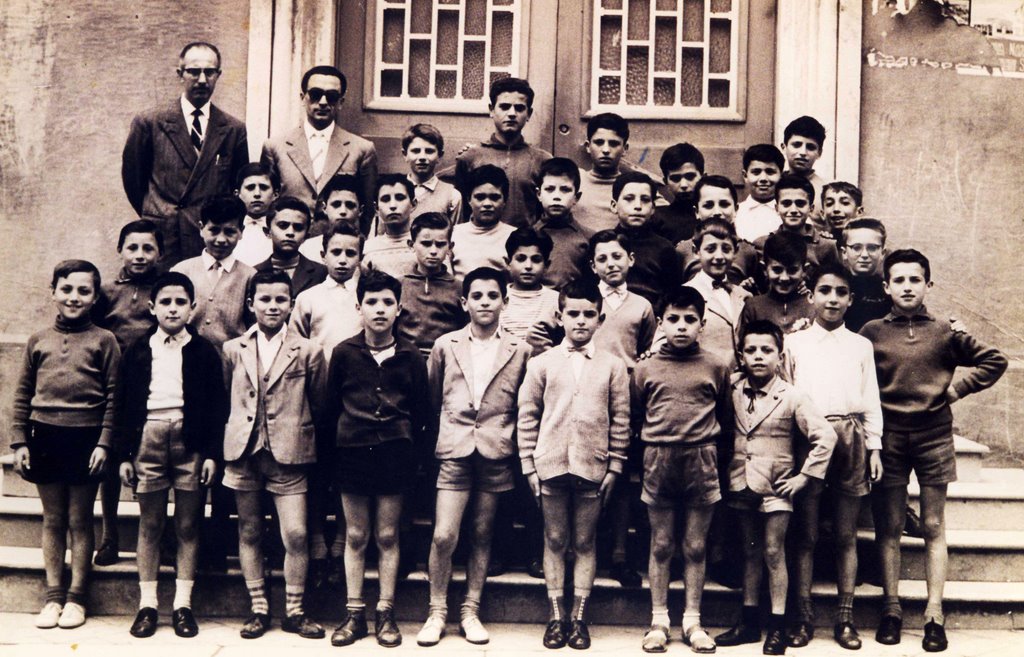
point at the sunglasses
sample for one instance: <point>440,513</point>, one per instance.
<point>315,94</point>
<point>196,72</point>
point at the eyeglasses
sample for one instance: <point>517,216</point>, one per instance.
<point>872,249</point>
<point>315,94</point>
<point>196,72</point>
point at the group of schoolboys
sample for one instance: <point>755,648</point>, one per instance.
<point>605,345</point>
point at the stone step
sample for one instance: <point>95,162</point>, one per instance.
<point>994,502</point>
<point>513,597</point>
<point>974,555</point>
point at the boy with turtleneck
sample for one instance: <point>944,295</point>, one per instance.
<point>657,268</point>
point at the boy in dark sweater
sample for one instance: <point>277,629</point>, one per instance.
<point>786,303</point>
<point>558,190</point>
<point>682,165</point>
<point>861,251</point>
<point>794,200</point>
<point>681,456</point>
<point>288,224</point>
<point>915,358</point>
<point>656,268</point>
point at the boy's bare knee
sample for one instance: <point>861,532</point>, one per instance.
<point>774,553</point>
<point>356,538</point>
<point>294,539</point>
<point>662,548</point>
<point>695,550</point>
<point>482,535</point>
<point>933,528</point>
<point>583,544</point>
<point>387,539</point>
<point>444,542</point>
<point>151,525</point>
<point>249,532</point>
<point>556,540</point>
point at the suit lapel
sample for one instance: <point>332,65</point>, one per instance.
<point>248,352</point>
<point>285,355</point>
<point>173,125</point>
<point>774,398</point>
<point>461,349</point>
<point>337,153</point>
<point>303,273</point>
<point>211,144</point>
<point>298,153</point>
<point>505,351</point>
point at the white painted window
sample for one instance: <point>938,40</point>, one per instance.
<point>442,55</point>
<point>669,59</point>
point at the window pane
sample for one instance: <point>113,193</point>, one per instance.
<point>448,38</point>
<point>444,84</point>
<point>639,18</point>
<point>666,5</point>
<point>721,5</point>
<point>693,20</point>
<point>476,17</point>
<point>719,44</point>
<point>636,76</point>
<point>665,44</point>
<point>501,38</point>
<point>390,84</point>
<point>394,36</point>
<point>612,4</point>
<point>421,16</point>
<point>473,70</point>
<point>718,93</point>
<point>691,77</point>
<point>419,68</point>
<point>611,43</point>
<point>608,90</point>
<point>664,91</point>
<point>497,76</point>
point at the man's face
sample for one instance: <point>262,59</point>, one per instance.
<point>794,206</point>
<point>863,251</point>
<point>606,149</point>
<point>220,239</point>
<point>422,157</point>
<point>580,318</point>
<point>257,193</point>
<point>682,179</point>
<point>271,303</point>
<point>287,231</point>
<point>715,202</point>
<point>342,257</point>
<point>486,205</point>
<point>611,263</point>
<point>761,178</point>
<point>379,311</point>
<point>139,253</point>
<point>557,195</point>
<point>484,303</point>
<point>322,100</point>
<point>198,71</point>
<point>344,206</point>
<point>801,153</point>
<point>526,267</point>
<point>635,205</point>
<point>172,308</point>
<point>431,248</point>
<point>510,113</point>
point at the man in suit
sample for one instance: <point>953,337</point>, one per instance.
<point>180,154</point>
<point>309,156</point>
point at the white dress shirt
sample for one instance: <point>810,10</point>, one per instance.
<point>326,313</point>
<point>613,297</point>
<point>318,141</point>
<point>204,117</point>
<point>166,392</point>
<point>577,357</point>
<point>755,219</point>
<point>268,348</point>
<point>218,267</point>
<point>482,352</point>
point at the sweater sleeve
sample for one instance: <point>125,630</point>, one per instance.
<point>648,327</point>
<point>110,358</point>
<point>988,364</point>
<point>637,400</point>
<point>23,393</point>
<point>531,408</point>
<point>619,416</point>
<point>819,433</point>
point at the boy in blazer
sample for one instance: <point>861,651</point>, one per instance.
<point>473,375</point>
<point>277,383</point>
<point>288,223</point>
<point>573,432</point>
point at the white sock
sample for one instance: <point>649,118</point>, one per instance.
<point>689,620</point>
<point>660,617</point>
<point>147,597</point>
<point>182,593</point>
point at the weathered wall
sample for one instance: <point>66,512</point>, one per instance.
<point>941,164</point>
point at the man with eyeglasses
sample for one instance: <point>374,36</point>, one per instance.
<point>180,154</point>
<point>309,156</point>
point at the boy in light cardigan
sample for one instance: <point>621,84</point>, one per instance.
<point>573,432</point>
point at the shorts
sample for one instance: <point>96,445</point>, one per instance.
<point>388,468</point>
<point>60,455</point>
<point>928,452</point>
<point>260,471</point>
<point>848,468</point>
<point>681,473</point>
<point>748,500</point>
<point>569,484</point>
<point>476,472</point>
<point>163,461</point>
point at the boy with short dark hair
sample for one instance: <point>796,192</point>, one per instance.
<point>794,199</point>
<point>607,141</point>
<point>862,250</point>
<point>785,303</point>
<point>342,201</point>
<point>169,413</point>
<point>802,142</point>
<point>683,445</point>
<point>423,148</point>
<point>480,242</point>
<point>288,222</point>
<point>682,165</point>
<point>657,268</point>
<point>558,190</point>
<point>390,250</point>
<point>257,185</point>
<point>528,254</point>
<point>573,432</point>
<point>510,107</point>
<point>715,197</point>
<point>763,476</point>
<point>841,203</point>
<point>916,357</point>
<point>756,216</point>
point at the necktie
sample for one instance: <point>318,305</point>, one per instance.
<point>318,153</point>
<point>752,394</point>
<point>723,284</point>
<point>197,130</point>
<point>215,271</point>
<point>580,350</point>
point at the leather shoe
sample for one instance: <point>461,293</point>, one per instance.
<point>255,626</point>
<point>496,567</point>
<point>535,569</point>
<point>888,632</point>
<point>774,643</point>
<point>800,634</point>
<point>107,554</point>
<point>351,629</point>
<point>579,636</point>
<point>846,636</point>
<point>739,635</point>
<point>304,626</point>
<point>386,629</point>
<point>625,575</point>
<point>145,623</point>
<point>934,637</point>
<point>184,623</point>
<point>554,635</point>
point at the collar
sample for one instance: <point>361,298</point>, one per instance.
<point>600,180</point>
<point>744,384</point>
<point>227,264</point>
<point>349,285</point>
<point>443,274</point>
<point>793,296</point>
<point>709,283</point>
<point>568,222</point>
<point>516,144</point>
<point>921,313</point>
<point>430,184</point>
<point>187,107</point>
<point>819,332</point>
<point>401,345</point>
<point>608,290</point>
<point>675,354</point>
<point>179,339</point>
<point>635,232</point>
<point>309,131</point>
<point>587,350</point>
<point>751,202</point>
<point>254,331</point>
<point>124,278</point>
<point>495,337</point>
<point>64,326</point>
<point>258,222</point>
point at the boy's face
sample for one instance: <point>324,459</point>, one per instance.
<point>839,208</point>
<point>681,326</point>
<point>343,206</point>
<point>760,357</point>
<point>287,231</point>
<point>580,318</point>
<point>907,286</point>
<point>831,299</point>
<point>716,255</point>
<point>611,263</point>
<point>257,193</point>
<point>510,113</point>
<point>783,280</point>
<point>172,308</point>
<point>379,310</point>
<point>220,239</point>
<point>863,251</point>
<point>793,206</point>
<point>635,205</point>
<point>422,157</point>
<point>606,148</point>
<point>715,202</point>
<point>75,295</point>
<point>394,204</point>
<point>486,205</point>
<point>342,257</point>
<point>139,253</point>
<point>682,179</point>
<point>557,195</point>
<point>431,247</point>
<point>484,303</point>
<point>761,178</point>
<point>801,153</point>
<point>526,267</point>
<point>271,303</point>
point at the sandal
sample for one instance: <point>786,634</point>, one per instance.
<point>656,639</point>
<point>699,640</point>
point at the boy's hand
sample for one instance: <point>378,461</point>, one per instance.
<point>208,472</point>
<point>749,284</point>
<point>875,464</point>
<point>644,356</point>
<point>127,474</point>
<point>952,395</point>
<point>533,481</point>
<point>22,462</point>
<point>607,486</point>
<point>957,325</point>
<point>465,147</point>
<point>800,325</point>
<point>97,460</point>
<point>792,486</point>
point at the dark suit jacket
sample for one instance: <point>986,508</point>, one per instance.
<point>166,181</point>
<point>307,273</point>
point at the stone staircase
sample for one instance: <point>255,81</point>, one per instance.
<point>985,518</point>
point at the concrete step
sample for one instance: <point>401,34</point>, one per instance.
<point>970,457</point>
<point>994,502</point>
<point>513,597</point>
<point>974,555</point>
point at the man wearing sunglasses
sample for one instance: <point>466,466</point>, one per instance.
<point>180,154</point>
<point>308,157</point>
